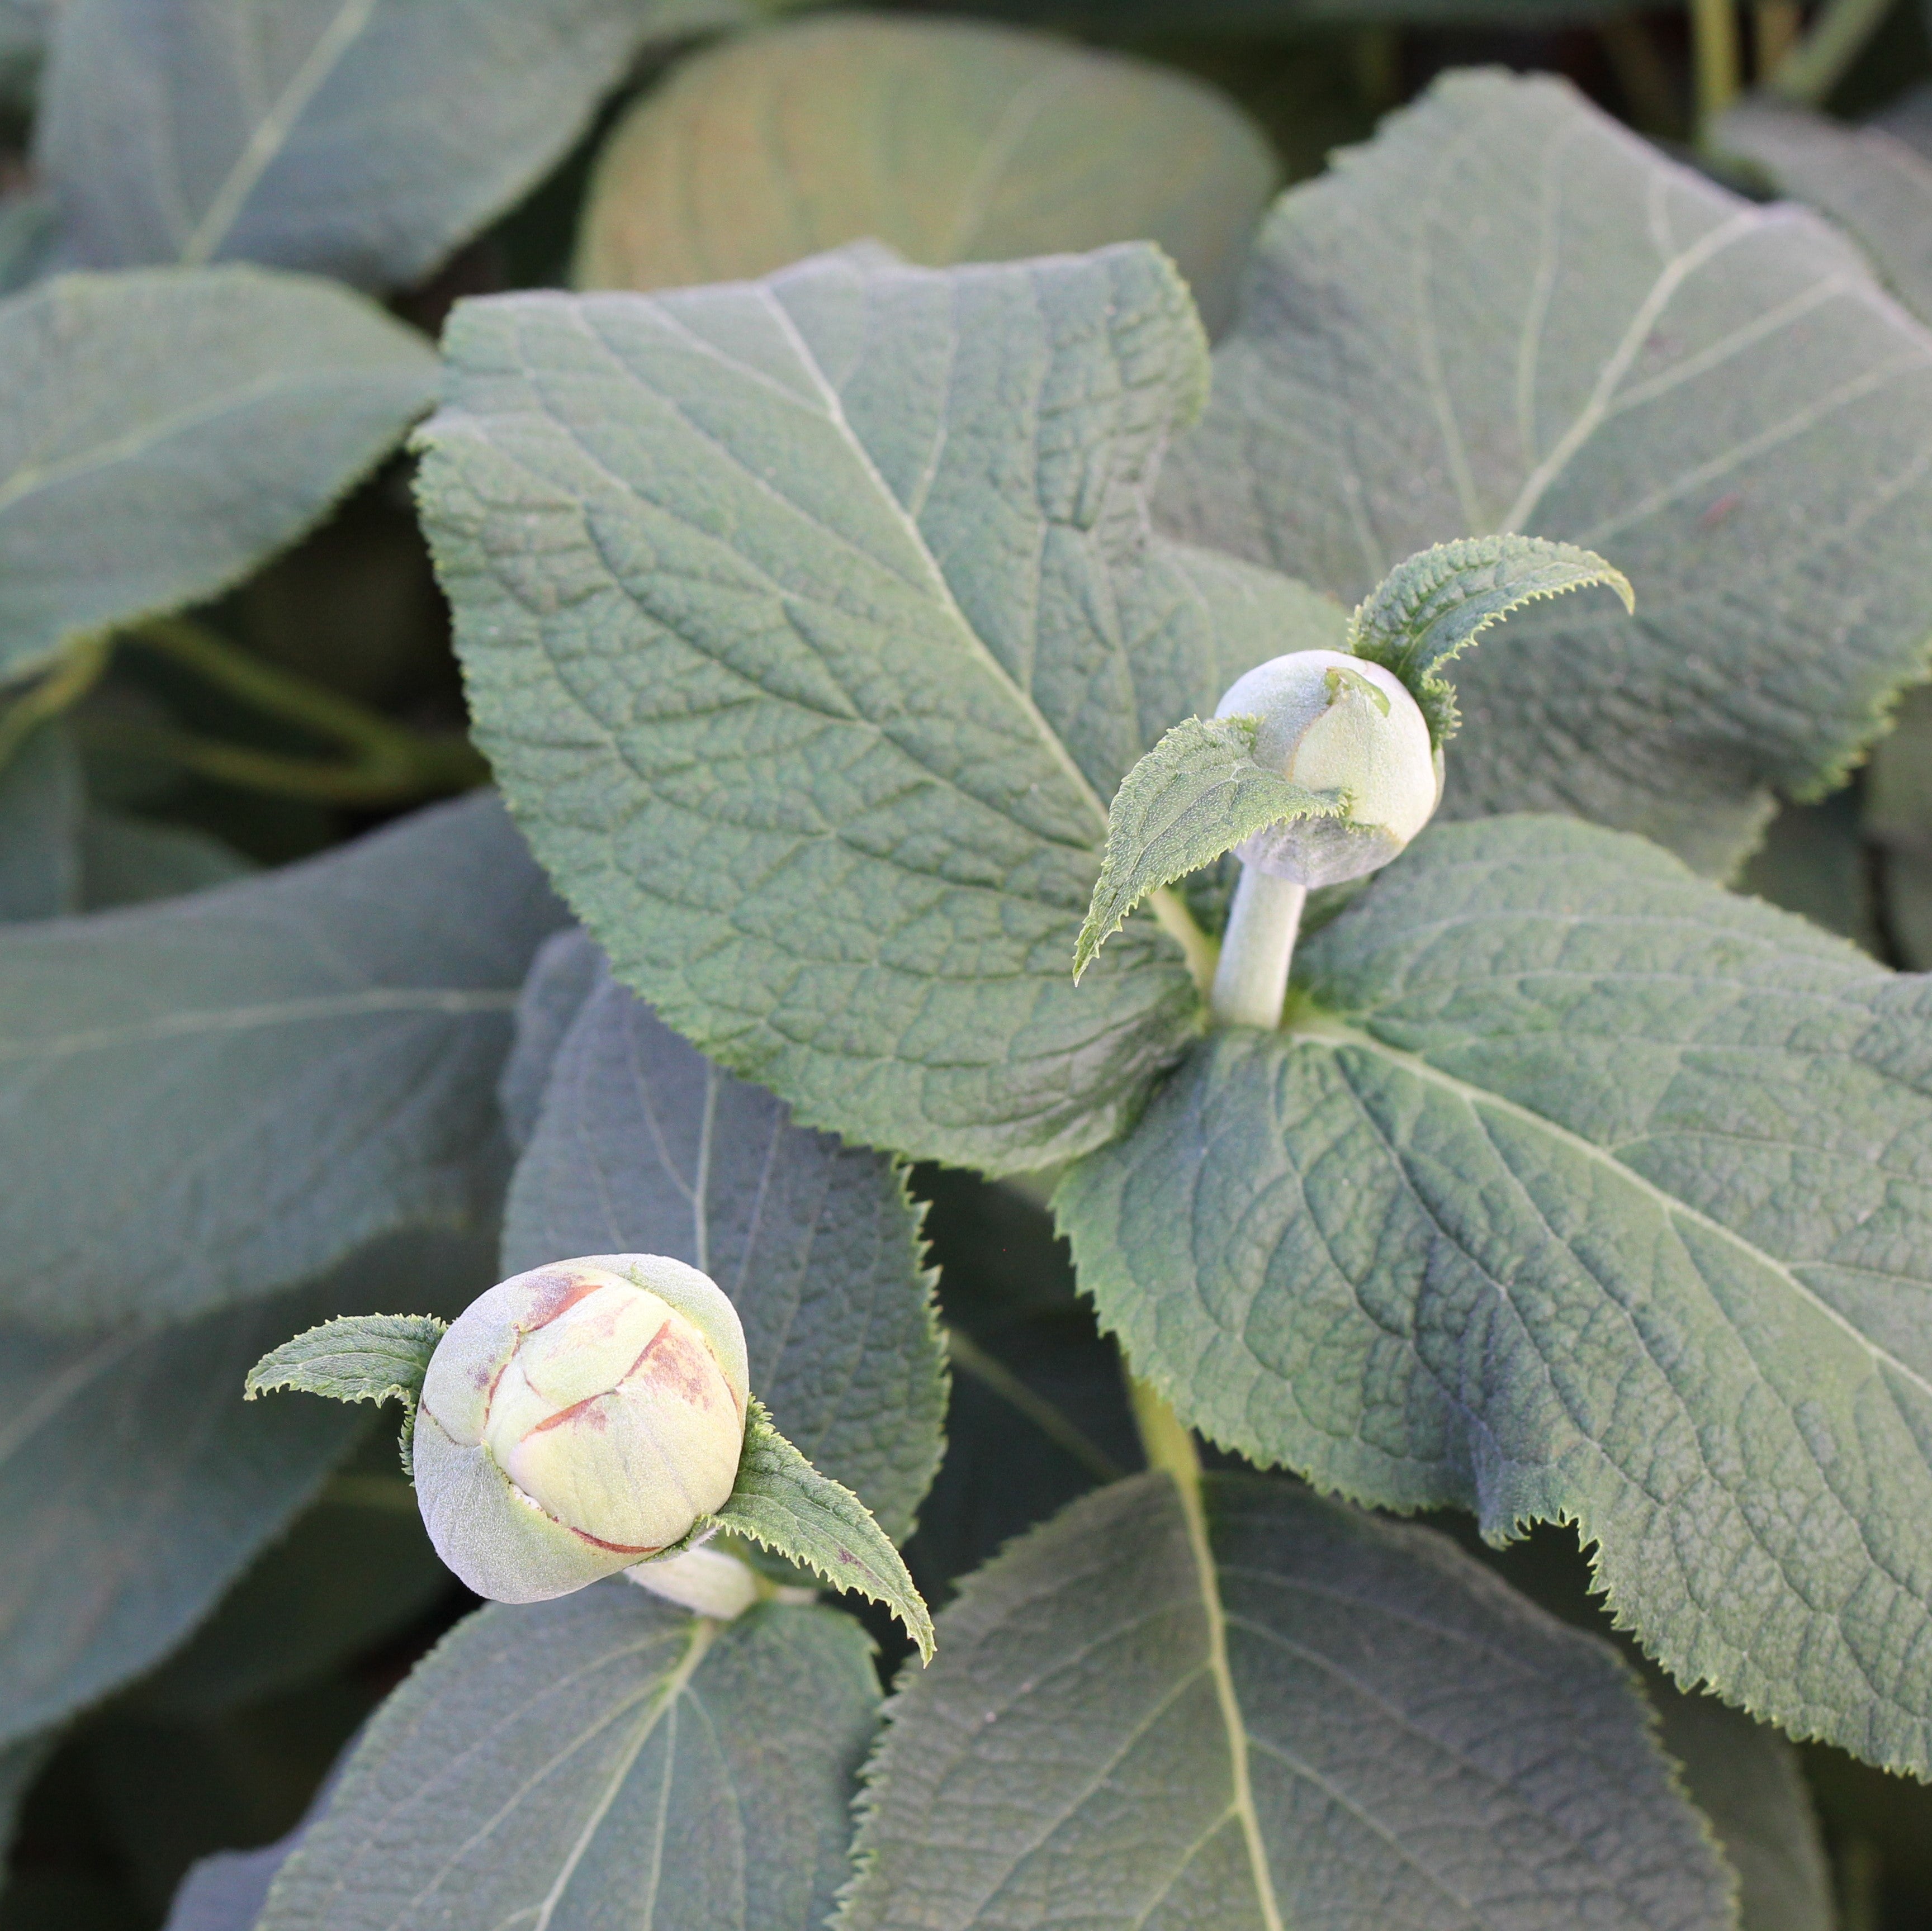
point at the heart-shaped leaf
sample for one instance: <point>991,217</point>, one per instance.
<point>1282,1714</point>
<point>637,1765</point>
<point>1617,352</point>
<point>947,140</point>
<point>642,1146</point>
<point>809,624</point>
<point>1575,1189</point>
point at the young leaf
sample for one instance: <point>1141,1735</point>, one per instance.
<point>1434,606</point>
<point>1300,1716</point>
<point>213,1099</point>
<point>359,138</point>
<point>638,1765</point>
<point>644,1147</point>
<point>357,1357</point>
<point>1575,1190</point>
<point>1623,356</point>
<point>782,1503</point>
<point>948,140</point>
<point>1197,794</point>
<point>136,1485</point>
<point>1875,185</point>
<point>168,431</point>
<point>808,659</point>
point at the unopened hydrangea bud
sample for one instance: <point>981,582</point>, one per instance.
<point>578,1419</point>
<point>1331,722</point>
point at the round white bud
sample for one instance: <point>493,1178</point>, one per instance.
<point>578,1419</point>
<point>1331,722</point>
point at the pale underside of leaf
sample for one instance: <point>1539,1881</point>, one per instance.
<point>1717,396</point>
<point>1279,1714</point>
<point>1594,1194</point>
<point>1197,794</point>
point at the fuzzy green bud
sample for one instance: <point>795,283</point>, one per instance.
<point>578,1419</point>
<point>1331,722</point>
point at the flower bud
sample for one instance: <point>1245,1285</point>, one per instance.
<point>1331,722</point>
<point>578,1419</point>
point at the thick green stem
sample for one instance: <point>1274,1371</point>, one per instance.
<point>1824,56</point>
<point>1713,41</point>
<point>60,690</point>
<point>1251,979</point>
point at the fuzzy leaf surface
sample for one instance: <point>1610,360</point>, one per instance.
<point>360,139</point>
<point>207,418</point>
<point>808,625</point>
<point>1197,794</point>
<point>1303,1717</point>
<point>1718,396</point>
<point>783,1504</point>
<point>1875,186</point>
<point>1579,1190</point>
<point>947,140</point>
<point>211,1099</point>
<point>640,1765</point>
<point>1431,607</point>
<point>642,1146</point>
<point>356,1357</point>
<point>136,1485</point>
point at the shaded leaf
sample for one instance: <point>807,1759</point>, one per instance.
<point>1813,862</point>
<point>1246,18</point>
<point>1197,794</point>
<point>783,1504</point>
<point>212,1098</point>
<point>1875,186</point>
<point>42,802</point>
<point>638,1763</point>
<point>1898,782</point>
<point>642,1146</point>
<point>1908,905</point>
<point>1299,1716</point>
<point>135,1485</point>
<point>1576,1190</point>
<point>129,861</point>
<point>1717,396</point>
<point>207,418</point>
<point>947,140</point>
<point>1432,606</point>
<point>361,139</point>
<point>808,657</point>
<point>567,970</point>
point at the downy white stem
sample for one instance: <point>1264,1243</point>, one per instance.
<point>1251,981</point>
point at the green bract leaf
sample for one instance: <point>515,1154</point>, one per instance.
<point>1620,354</point>
<point>782,1503</point>
<point>1197,794</point>
<point>643,1146</point>
<point>1296,1716</point>
<point>204,419</point>
<point>1870,182</point>
<point>639,1766</point>
<point>135,1485</point>
<point>213,1099</point>
<point>1576,1189</point>
<point>362,139</point>
<point>357,1357</point>
<point>1435,605</point>
<point>807,654</point>
<point>948,140</point>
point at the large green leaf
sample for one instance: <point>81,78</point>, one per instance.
<point>362,139</point>
<point>214,1097</point>
<point>168,430</point>
<point>809,623</point>
<point>642,1146</point>
<point>1575,1190</point>
<point>599,1760</point>
<point>1616,352</point>
<point>1285,1715</point>
<point>948,140</point>
<point>135,1485</point>
<point>1870,182</point>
